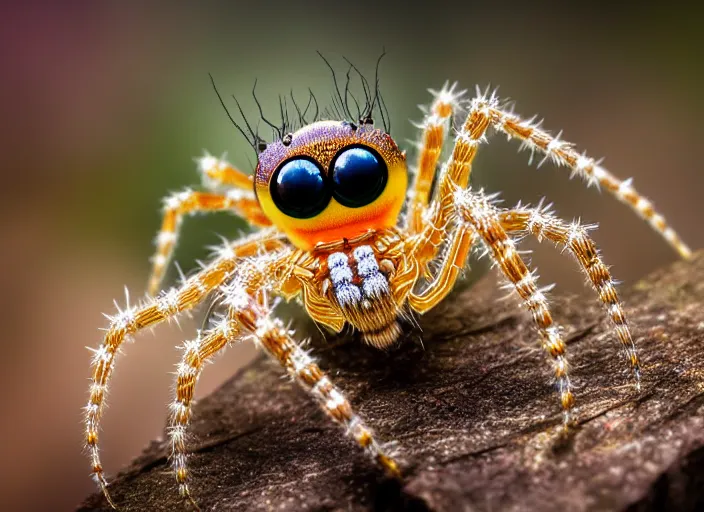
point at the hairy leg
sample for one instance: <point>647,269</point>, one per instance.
<point>249,316</point>
<point>217,174</point>
<point>189,202</point>
<point>455,173</point>
<point>132,319</point>
<point>476,210</point>
<point>452,262</point>
<point>542,224</point>
<point>563,153</point>
<point>485,111</point>
<point>434,128</point>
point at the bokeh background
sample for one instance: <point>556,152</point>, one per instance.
<point>105,104</point>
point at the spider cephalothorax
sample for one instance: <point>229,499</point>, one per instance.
<point>328,199</point>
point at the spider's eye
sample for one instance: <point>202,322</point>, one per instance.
<point>359,176</point>
<point>299,188</point>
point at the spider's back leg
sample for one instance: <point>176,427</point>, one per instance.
<point>228,190</point>
<point>249,316</point>
<point>541,223</point>
<point>432,140</point>
<point>476,210</point>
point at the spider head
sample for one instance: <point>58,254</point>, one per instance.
<point>331,180</point>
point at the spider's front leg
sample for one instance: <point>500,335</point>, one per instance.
<point>248,316</point>
<point>563,154</point>
<point>484,112</point>
<point>155,311</point>
<point>228,190</point>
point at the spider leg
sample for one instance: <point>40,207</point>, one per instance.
<point>455,173</point>
<point>249,316</point>
<point>228,190</point>
<point>541,223</point>
<point>484,111</point>
<point>453,261</point>
<point>154,311</point>
<point>217,174</point>
<point>196,354</point>
<point>563,154</point>
<point>189,202</point>
<point>434,126</point>
<point>476,210</point>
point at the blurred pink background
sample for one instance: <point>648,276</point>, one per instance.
<point>105,105</point>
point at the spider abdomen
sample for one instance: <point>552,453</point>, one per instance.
<point>362,292</point>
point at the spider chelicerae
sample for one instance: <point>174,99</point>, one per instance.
<point>327,198</point>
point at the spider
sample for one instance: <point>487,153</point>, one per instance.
<point>327,198</point>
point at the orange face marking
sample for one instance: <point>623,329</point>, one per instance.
<point>321,145</point>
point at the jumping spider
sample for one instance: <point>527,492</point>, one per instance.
<point>328,198</point>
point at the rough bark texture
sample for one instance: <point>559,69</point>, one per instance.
<point>473,411</point>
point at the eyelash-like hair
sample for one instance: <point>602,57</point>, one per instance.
<point>344,106</point>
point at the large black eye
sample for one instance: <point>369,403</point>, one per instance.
<point>299,188</point>
<point>359,176</point>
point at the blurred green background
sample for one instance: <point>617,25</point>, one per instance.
<point>106,103</point>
